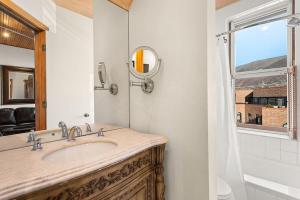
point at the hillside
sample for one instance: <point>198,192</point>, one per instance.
<point>269,63</point>
<point>271,81</point>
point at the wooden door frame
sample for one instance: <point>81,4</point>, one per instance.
<point>40,59</point>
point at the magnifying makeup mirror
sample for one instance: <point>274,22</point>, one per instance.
<point>102,74</point>
<point>144,64</point>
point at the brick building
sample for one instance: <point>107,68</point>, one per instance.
<point>262,106</point>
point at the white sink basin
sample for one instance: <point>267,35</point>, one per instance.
<point>81,152</point>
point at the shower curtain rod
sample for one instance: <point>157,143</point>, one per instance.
<point>262,22</point>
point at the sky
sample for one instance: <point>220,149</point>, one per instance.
<point>261,42</point>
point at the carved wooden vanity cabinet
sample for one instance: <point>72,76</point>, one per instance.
<point>139,177</point>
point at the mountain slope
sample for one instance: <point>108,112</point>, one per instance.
<point>263,82</point>
<point>269,63</point>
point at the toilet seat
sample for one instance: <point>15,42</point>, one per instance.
<point>224,190</point>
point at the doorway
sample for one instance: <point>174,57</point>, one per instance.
<point>39,52</point>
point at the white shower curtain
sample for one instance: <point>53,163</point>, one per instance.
<point>229,164</point>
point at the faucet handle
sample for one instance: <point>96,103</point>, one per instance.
<point>37,144</point>
<point>31,136</point>
<point>79,131</point>
<point>61,124</point>
<point>88,128</point>
<point>100,133</point>
<point>64,129</point>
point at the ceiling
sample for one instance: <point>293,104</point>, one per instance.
<point>222,3</point>
<point>14,33</point>
<point>85,7</point>
<point>125,4</point>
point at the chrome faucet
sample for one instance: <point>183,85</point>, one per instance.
<point>37,143</point>
<point>88,128</point>
<point>100,133</point>
<point>64,129</point>
<point>71,135</point>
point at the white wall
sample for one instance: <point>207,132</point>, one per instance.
<point>177,108</point>
<point>69,62</point>
<point>18,57</point>
<point>43,10</point>
<point>70,71</point>
<point>18,84</point>
<point>270,158</point>
<point>111,47</point>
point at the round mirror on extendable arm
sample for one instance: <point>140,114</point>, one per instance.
<point>102,74</point>
<point>144,64</point>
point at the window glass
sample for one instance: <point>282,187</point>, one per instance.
<point>261,103</point>
<point>260,55</point>
<point>261,47</point>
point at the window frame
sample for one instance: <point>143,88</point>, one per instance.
<point>251,17</point>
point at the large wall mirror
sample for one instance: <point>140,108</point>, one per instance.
<point>19,112</point>
<point>24,50</point>
<point>17,85</point>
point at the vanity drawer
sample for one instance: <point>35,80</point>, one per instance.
<point>141,188</point>
<point>131,179</point>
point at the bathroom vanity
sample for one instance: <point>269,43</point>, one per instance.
<point>122,164</point>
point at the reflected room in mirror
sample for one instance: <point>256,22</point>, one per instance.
<point>17,76</point>
<point>17,85</point>
<point>17,110</point>
<point>143,60</point>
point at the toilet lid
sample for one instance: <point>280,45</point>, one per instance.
<point>223,189</point>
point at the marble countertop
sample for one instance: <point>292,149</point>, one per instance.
<point>24,171</point>
<point>20,140</point>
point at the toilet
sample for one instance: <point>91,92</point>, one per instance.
<point>224,191</point>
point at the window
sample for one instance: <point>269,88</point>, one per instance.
<point>261,56</point>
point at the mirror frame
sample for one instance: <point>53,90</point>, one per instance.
<point>149,74</point>
<point>5,85</point>
<point>102,73</point>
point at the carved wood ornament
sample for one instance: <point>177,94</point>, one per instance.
<point>99,184</point>
<point>137,178</point>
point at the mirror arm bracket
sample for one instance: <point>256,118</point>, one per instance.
<point>135,83</point>
<point>147,85</point>
<point>113,88</point>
